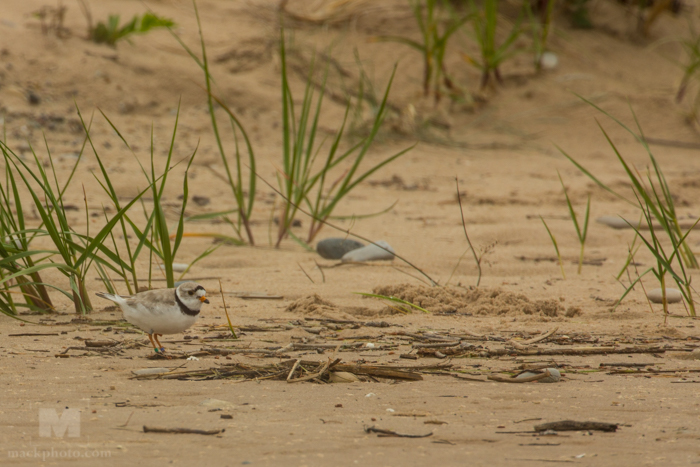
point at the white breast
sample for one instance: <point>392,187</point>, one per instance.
<point>159,320</point>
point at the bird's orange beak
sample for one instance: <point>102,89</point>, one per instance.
<point>203,299</point>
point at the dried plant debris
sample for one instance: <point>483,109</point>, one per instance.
<point>476,301</point>
<point>297,369</point>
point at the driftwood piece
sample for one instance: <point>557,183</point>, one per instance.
<point>383,433</point>
<point>155,429</point>
<point>572,425</point>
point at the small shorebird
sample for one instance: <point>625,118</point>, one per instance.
<point>162,311</point>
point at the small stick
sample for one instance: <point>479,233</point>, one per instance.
<point>529,379</point>
<point>517,345</point>
<point>294,367</point>
<point>382,432</point>
<point>31,334</point>
<point>154,429</point>
<point>524,344</point>
<point>436,345</point>
<point>541,337</point>
<point>127,420</point>
<point>464,225</point>
<point>571,425</point>
<point>230,326</point>
<point>323,276</point>
<point>305,273</point>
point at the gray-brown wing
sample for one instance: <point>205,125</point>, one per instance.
<point>152,299</point>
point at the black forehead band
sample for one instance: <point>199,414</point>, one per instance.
<point>199,287</point>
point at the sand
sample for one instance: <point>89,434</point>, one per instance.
<point>501,145</point>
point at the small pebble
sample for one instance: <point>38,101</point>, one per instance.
<point>370,253</point>
<point>200,200</point>
<point>672,295</point>
<point>32,98</point>
<point>335,248</point>
<point>549,60</point>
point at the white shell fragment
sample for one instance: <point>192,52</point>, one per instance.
<point>370,252</point>
<point>672,295</point>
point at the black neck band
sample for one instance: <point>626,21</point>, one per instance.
<point>183,307</point>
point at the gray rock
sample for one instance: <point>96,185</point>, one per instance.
<point>335,248</point>
<point>370,252</point>
<point>554,377</point>
<point>672,295</point>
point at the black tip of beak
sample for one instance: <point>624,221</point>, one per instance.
<point>206,300</point>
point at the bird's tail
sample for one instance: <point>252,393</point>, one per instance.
<point>108,296</point>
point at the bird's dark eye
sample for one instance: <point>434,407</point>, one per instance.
<point>190,292</point>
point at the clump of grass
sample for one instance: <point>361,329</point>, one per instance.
<point>243,193</point>
<point>18,269</point>
<point>581,230</point>
<point>435,33</point>
<point>654,199</point>
<point>299,181</point>
<point>157,236</point>
<point>691,70</point>
<point>112,31</point>
<point>78,252</point>
<point>492,55</point>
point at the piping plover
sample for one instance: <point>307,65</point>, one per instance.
<point>162,311</point>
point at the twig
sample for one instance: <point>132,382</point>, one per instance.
<point>464,226</point>
<point>296,365</point>
<point>154,429</point>
<point>323,276</point>
<point>435,345</point>
<point>529,379</point>
<point>230,326</point>
<point>382,432</point>
<point>307,276</point>
<point>541,337</point>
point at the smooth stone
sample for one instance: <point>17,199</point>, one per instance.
<point>370,253</point>
<point>335,248</point>
<point>672,295</point>
<point>554,376</point>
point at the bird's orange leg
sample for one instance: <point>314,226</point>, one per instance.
<point>155,347</point>
<point>162,349</point>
